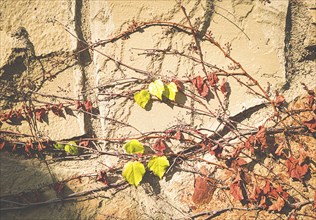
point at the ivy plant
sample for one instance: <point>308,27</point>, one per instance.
<point>134,171</point>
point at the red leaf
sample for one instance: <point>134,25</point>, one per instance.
<point>277,205</point>
<point>39,114</point>
<point>14,148</point>
<point>40,146</point>
<point>279,100</point>
<point>281,192</point>
<point>261,136</point>
<point>78,105</point>
<point>205,90</point>
<point>203,190</point>
<point>160,145</point>
<point>235,188</point>
<point>267,187</point>
<point>57,109</point>
<point>295,170</point>
<point>201,86</point>
<point>224,86</point>
<point>179,136</point>
<point>212,79</point>
<point>254,197</point>
<point>88,106</point>
<point>102,177</point>
<point>178,84</point>
<point>84,143</point>
<point>2,144</point>
<point>311,125</point>
<point>241,162</point>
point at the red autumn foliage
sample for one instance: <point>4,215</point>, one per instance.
<point>235,188</point>
<point>295,169</point>
<point>102,177</point>
<point>2,144</point>
<point>160,146</point>
<point>203,190</point>
<point>311,125</point>
<point>224,87</point>
<point>277,205</point>
<point>179,136</point>
<point>255,194</point>
<point>40,146</point>
<point>39,114</point>
<point>78,105</point>
<point>57,109</point>
<point>212,79</point>
<point>88,106</point>
<point>201,86</point>
<point>279,100</point>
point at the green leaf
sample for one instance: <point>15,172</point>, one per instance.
<point>158,165</point>
<point>171,91</point>
<point>133,147</point>
<point>71,147</point>
<point>156,88</point>
<point>142,97</point>
<point>59,146</point>
<point>133,172</point>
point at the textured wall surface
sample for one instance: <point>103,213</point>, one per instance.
<point>273,42</point>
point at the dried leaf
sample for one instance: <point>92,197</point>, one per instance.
<point>88,106</point>
<point>39,114</point>
<point>295,170</point>
<point>160,145</point>
<point>315,199</point>
<point>212,79</point>
<point>267,187</point>
<point>255,194</point>
<point>224,87</point>
<point>311,125</point>
<point>261,136</point>
<point>179,136</point>
<point>203,190</point>
<point>201,86</point>
<point>279,100</point>
<point>2,144</point>
<point>279,150</point>
<point>235,188</point>
<point>102,177</point>
<point>277,205</point>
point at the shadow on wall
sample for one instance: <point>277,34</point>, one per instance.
<point>28,181</point>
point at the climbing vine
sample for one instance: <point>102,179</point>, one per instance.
<point>287,137</point>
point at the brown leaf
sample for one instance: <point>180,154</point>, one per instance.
<point>235,188</point>
<point>315,199</point>
<point>212,79</point>
<point>295,170</point>
<point>277,205</point>
<point>255,194</point>
<point>203,190</point>
<point>267,187</point>
<point>311,125</point>
<point>261,136</point>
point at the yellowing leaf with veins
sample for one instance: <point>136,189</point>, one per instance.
<point>142,97</point>
<point>171,91</point>
<point>133,172</point>
<point>71,147</point>
<point>156,88</point>
<point>133,147</point>
<point>158,165</point>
